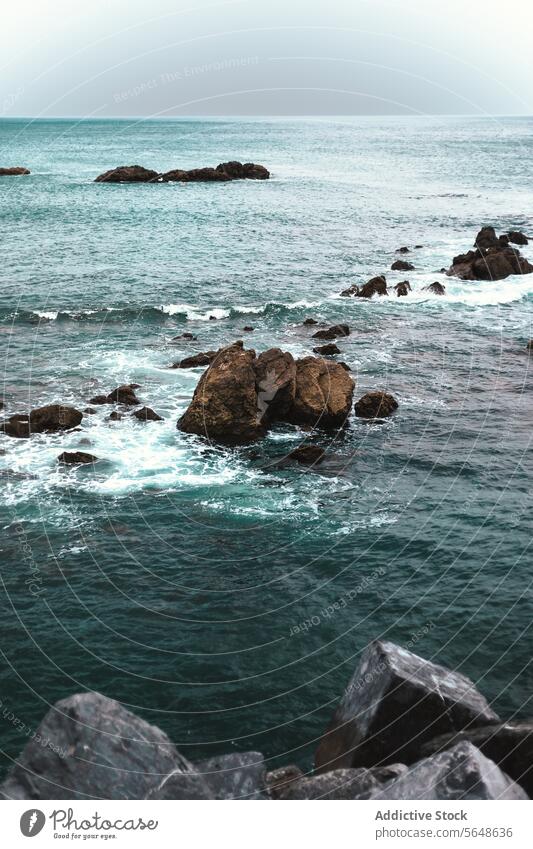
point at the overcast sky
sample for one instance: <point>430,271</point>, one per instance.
<point>285,57</point>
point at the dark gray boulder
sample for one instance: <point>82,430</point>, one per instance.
<point>462,772</point>
<point>340,784</point>
<point>239,775</point>
<point>394,703</point>
<point>510,745</point>
<point>128,174</point>
<point>278,781</point>
<point>332,332</point>
<point>402,265</point>
<point>146,414</point>
<point>90,747</point>
<point>76,458</point>
<point>182,783</point>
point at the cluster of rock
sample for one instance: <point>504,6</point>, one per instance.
<point>406,728</point>
<point>17,171</point>
<point>493,257</point>
<point>242,394</point>
<point>378,285</point>
<point>223,173</point>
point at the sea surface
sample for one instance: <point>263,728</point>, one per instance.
<point>221,596</point>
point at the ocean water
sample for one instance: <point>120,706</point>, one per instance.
<point>220,596</point>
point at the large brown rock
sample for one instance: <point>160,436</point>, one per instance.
<point>13,172</point>
<point>332,332</point>
<point>49,419</point>
<point>128,174</point>
<point>275,377</point>
<point>324,393</point>
<point>248,171</point>
<point>394,703</point>
<point>224,406</point>
<point>375,405</point>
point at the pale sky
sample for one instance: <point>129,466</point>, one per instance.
<point>190,57</point>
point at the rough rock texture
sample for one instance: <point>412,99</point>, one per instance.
<point>402,289</point>
<point>204,358</point>
<point>76,458</point>
<point>374,286</point>
<point>324,393</point>
<point>517,238</point>
<point>436,288</point>
<point>275,378</point>
<point>375,405</point>
<point>248,171</point>
<point>492,259</point>
<point>308,455</point>
<point>223,173</point>
<point>128,174</point>
<point>182,783</point>
<point>402,265</point>
<point>146,414</point>
<point>124,394</point>
<point>49,419</point>
<point>89,746</point>
<point>340,784</point>
<point>239,775</point>
<point>17,171</point>
<point>395,702</point>
<point>279,780</point>
<point>327,350</point>
<point>462,772</point>
<point>510,745</point>
<point>332,332</point>
<point>224,407</point>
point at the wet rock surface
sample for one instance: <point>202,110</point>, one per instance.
<point>375,405</point>
<point>332,332</point>
<point>16,171</point>
<point>76,458</point>
<point>239,775</point>
<point>493,258</point>
<point>146,414</point>
<point>49,419</point>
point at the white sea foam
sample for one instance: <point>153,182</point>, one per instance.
<point>193,313</point>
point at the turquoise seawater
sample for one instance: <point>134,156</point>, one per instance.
<point>220,596</point>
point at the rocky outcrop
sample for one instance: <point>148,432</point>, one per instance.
<point>375,405</point>
<point>462,772</point>
<point>204,358</point>
<point>146,414</point>
<point>17,171</point>
<point>248,171</point>
<point>435,288</point>
<point>124,394</point>
<point>396,702</point>
<point>307,455</point>
<point>278,781</point>
<point>239,775</point>
<point>517,237</point>
<point>128,174</point>
<point>241,395</point>
<point>402,289</point>
<point>49,419</point>
<point>327,350</point>
<point>76,458</point>
<point>332,332</point>
<point>374,286</point>
<point>402,265</point>
<point>492,259</point>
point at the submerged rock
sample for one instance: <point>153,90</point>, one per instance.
<point>435,288</point>
<point>76,458</point>
<point>375,405</point>
<point>396,702</point>
<point>239,775</point>
<point>462,772</point>
<point>403,250</point>
<point>146,414</point>
<point>510,745</point>
<point>49,419</point>
<point>308,455</point>
<point>186,335</point>
<point>248,329</point>
<point>327,350</point>
<point>89,746</point>
<point>17,171</point>
<point>310,321</point>
<point>402,265</point>
<point>332,332</point>
<point>128,174</point>
<point>115,416</point>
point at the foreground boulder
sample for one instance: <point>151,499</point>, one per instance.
<point>396,702</point>
<point>49,419</point>
<point>128,174</point>
<point>340,784</point>
<point>510,745</point>
<point>76,458</point>
<point>492,259</point>
<point>239,775</point>
<point>375,405</point>
<point>374,286</point>
<point>89,746</point>
<point>14,172</point>
<point>462,772</point>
